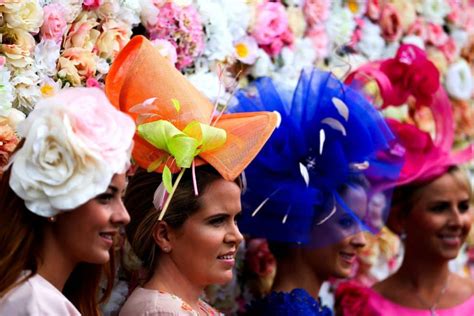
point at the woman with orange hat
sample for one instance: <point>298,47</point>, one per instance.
<point>61,205</point>
<point>431,208</point>
<point>183,226</point>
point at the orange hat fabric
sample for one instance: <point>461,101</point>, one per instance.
<point>140,73</point>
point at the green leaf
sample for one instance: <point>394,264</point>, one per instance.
<point>166,178</point>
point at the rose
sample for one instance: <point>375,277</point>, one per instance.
<point>407,10</point>
<point>28,16</point>
<point>8,143</point>
<point>373,9</point>
<point>91,4</point>
<point>259,258</point>
<point>270,23</point>
<point>82,33</point>
<point>316,11</point>
<point>459,82</point>
<point>114,36</point>
<point>54,24</point>
<point>17,46</point>
<point>75,142</point>
<point>436,34</point>
<point>76,64</point>
<point>449,49</point>
<point>390,23</point>
<point>418,28</point>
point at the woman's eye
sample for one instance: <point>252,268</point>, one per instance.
<point>346,222</point>
<point>464,206</point>
<point>438,208</point>
<point>217,221</point>
<point>105,198</point>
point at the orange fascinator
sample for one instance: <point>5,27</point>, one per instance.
<point>177,127</point>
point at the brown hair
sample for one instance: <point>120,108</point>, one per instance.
<point>144,216</point>
<point>21,233</point>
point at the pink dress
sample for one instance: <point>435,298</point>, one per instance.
<point>353,299</point>
<point>145,302</point>
<point>36,296</point>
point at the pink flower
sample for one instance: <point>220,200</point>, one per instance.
<point>182,27</point>
<point>373,9</point>
<point>91,4</point>
<point>8,143</point>
<point>259,258</point>
<point>271,22</point>
<point>316,11</point>
<point>286,39</point>
<point>449,49</point>
<point>92,82</point>
<point>418,28</point>
<point>54,24</point>
<point>166,49</point>
<point>318,36</point>
<point>390,23</point>
<point>357,35</point>
<point>3,60</point>
<point>436,34</point>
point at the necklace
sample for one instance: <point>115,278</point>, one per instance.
<point>432,307</point>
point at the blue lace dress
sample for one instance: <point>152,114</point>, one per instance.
<point>296,303</point>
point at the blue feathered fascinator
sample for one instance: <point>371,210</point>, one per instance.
<point>329,135</point>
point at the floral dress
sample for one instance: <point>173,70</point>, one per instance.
<point>296,303</point>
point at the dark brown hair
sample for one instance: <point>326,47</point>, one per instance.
<point>21,234</point>
<point>144,216</point>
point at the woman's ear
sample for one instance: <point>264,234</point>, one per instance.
<point>396,220</point>
<point>161,235</point>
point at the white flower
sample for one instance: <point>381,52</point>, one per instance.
<point>130,11</point>
<point>263,66</point>
<point>46,56</point>
<point>28,16</point>
<point>6,92</point>
<point>390,50</point>
<point>149,13</point>
<point>414,40</point>
<point>435,10</point>
<point>102,66</point>
<point>246,50</point>
<point>15,117</point>
<point>75,142</point>
<point>209,84</point>
<point>238,16</point>
<point>340,26</point>
<point>295,3</point>
<point>295,59</point>
<point>219,40</point>
<point>459,82</point>
<point>371,43</point>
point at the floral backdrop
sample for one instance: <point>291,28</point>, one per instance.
<point>46,45</point>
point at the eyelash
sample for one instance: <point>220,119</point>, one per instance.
<point>105,198</point>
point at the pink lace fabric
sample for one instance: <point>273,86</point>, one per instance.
<point>354,299</point>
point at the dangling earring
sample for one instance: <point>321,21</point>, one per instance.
<point>403,235</point>
<point>52,219</point>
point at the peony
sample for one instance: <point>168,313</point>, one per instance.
<point>270,23</point>
<point>114,36</point>
<point>27,16</point>
<point>54,25</point>
<point>82,34</point>
<point>75,142</point>
<point>459,82</point>
<point>390,23</point>
<point>76,64</point>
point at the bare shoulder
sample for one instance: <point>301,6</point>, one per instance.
<point>464,286</point>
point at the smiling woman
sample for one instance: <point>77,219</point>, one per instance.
<point>192,247</point>
<point>61,205</point>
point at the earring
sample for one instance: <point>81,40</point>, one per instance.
<point>52,219</point>
<point>403,235</point>
<point>166,249</point>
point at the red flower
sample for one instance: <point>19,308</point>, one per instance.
<point>352,299</point>
<point>259,258</point>
<point>411,73</point>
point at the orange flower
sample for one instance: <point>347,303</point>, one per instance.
<point>8,143</point>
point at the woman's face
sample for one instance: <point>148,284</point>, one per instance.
<point>86,234</point>
<point>336,259</point>
<point>204,248</point>
<point>440,218</point>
